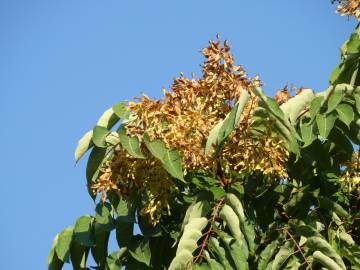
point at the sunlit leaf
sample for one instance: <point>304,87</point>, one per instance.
<point>99,136</point>
<point>83,231</point>
<point>131,144</point>
<point>64,240</point>
<point>84,145</point>
<point>325,122</point>
<point>346,113</point>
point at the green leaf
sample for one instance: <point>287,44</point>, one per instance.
<point>54,263</point>
<point>62,247</point>
<point>214,265</point>
<point>244,98</point>
<point>188,243</point>
<point>172,164</point>
<point>125,210</point>
<point>223,129</point>
<point>270,104</point>
<point>334,99</point>
<point>213,137</point>
<point>315,106</point>
<point>320,244</point>
<point>296,105</point>
<point>307,134</point>
<point>237,252</point>
<point>353,44</point>
<point>131,144</point>
<point>156,147</point>
<point>148,229</point>
<point>325,123</point>
<point>236,205</point>
<point>181,261</point>
<point>218,192</point>
<point>196,210</point>
<point>112,139</point>
<point>84,144</point>
<point>357,98</point>
<point>103,217</point>
<point>139,249</point>
<point>293,264</point>
<point>267,254</point>
<point>170,159</point>
<point>78,255</point>
<point>124,222</point>
<point>349,249</point>
<point>282,256</point>
<point>100,249</point>
<point>346,113</point>
<point>203,266</point>
<point>121,110</point>
<point>214,245</point>
<point>124,232</point>
<point>92,168</point>
<point>325,261</point>
<point>231,120</point>
<point>99,136</point>
<point>330,205</point>
<point>83,231</point>
<point>246,228</point>
<point>108,119</point>
<point>282,124</point>
<point>113,261</point>
<point>232,221</point>
<point>335,74</point>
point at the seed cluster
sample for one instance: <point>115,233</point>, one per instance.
<point>183,119</point>
<point>350,179</point>
<point>350,8</point>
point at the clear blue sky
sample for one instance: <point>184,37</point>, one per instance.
<point>62,63</point>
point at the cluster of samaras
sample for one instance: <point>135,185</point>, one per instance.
<point>185,116</point>
<point>350,179</point>
<point>183,119</point>
<point>350,8</point>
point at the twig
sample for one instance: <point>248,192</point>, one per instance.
<point>299,248</point>
<point>302,113</point>
<point>208,232</point>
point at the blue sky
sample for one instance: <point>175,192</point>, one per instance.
<point>62,63</point>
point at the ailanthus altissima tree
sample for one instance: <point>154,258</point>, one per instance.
<point>219,176</point>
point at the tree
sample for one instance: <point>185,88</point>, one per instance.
<point>217,175</point>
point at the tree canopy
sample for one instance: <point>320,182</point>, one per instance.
<point>218,175</point>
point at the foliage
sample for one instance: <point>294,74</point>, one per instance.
<point>219,176</point>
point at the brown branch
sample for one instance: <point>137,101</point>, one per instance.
<point>221,176</point>
<point>302,113</point>
<point>298,247</point>
<point>208,232</point>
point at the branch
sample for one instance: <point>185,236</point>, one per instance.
<point>208,232</point>
<point>298,247</point>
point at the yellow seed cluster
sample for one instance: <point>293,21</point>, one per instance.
<point>350,8</point>
<point>189,111</point>
<point>183,119</point>
<point>351,176</point>
<point>124,173</point>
